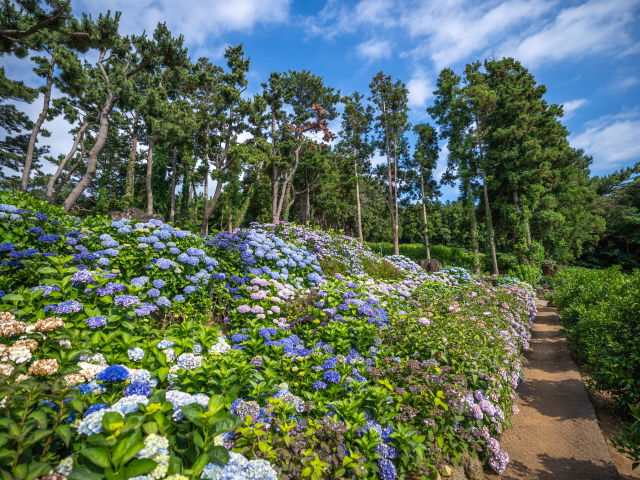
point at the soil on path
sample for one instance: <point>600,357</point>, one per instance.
<point>556,435</point>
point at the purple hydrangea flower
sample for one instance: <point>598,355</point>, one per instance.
<point>96,322</point>
<point>145,309</point>
<point>126,300</point>
<point>70,306</point>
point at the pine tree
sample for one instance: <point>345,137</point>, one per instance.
<point>225,121</point>
<point>391,101</point>
<point>424,161</point>
<point>357,123</point>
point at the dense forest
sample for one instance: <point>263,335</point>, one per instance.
<point>160,131</point>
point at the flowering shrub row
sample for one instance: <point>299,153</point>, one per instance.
<point>135,350</point>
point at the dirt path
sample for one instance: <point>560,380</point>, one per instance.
<point>556,435</point>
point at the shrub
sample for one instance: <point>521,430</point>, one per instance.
<point>530,274</point>
<point>601,314</point>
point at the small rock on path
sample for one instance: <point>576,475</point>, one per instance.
<point>556,435</point>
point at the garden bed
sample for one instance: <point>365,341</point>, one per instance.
<point>142,351</point>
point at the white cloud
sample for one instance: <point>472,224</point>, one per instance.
<point>456,29</point>
<point>197,20</point>
<point>374,49</point>
<point>611,139</point>
<point>627,82</point>
<point>450,31</point>
<point>420,89</point>
<point>337,17</point>
<point>571,106</point>
<point>594,27</point>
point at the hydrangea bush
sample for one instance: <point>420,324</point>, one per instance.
<point>137,350</point>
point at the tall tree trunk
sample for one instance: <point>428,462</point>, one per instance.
<point>195,201</point>
<point>92,156</point>
<point>206,189</point>
<point>526,222</point>
<point>474,230</point>
<point>424,215</point>
<point>131,168</point>
<point>358,208</point>
<point>396,226</point>
<point>209,206</point>
<point>56,193</point>
<point>307,210</point>
<point>394,232</point>
<point>152,144</point>
<point>274,203</point>
<point>284,194</point>
<point>54,178</point>
<point>172,211</point>
<point>489,222</point>
<point>220,165</point>
<point>28,160</point>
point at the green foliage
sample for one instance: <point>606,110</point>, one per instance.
<point>601,315</point>
<point>530,274</point>
<point>35,430</point>
<point>629,439</point>
<point>380,269</point>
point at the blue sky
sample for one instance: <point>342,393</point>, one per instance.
<point>586,53</point>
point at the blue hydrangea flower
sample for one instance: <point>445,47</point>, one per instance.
<point>113,373</point>
<point>164,264</point>
<point>95,408</point>
<point>154,293</point>
<point>189,289</point>
<point>314,277</point>
<point>163,302</point>
<point>138,388</point>
<point>387,470</point>
<point>135,354</point>
<point>159,283</point>
<point>178,298</point>
<point>331,376</point>
<point>104,262</point>
<point>49,238</point>
<point>330,363</point>
<point>139,281</point>
<point>319,385</point>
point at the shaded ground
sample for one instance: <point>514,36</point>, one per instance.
<point>556,435</point>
